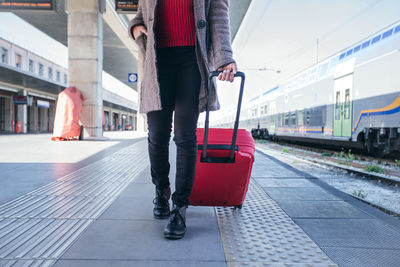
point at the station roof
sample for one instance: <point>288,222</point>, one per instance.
<point>119,57</point>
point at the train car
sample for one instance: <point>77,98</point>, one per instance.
<point>351,99</point>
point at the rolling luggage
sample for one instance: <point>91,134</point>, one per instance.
<point>224,162</point>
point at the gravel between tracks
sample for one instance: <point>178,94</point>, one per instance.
<point>373,191</point>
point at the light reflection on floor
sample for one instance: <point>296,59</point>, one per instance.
<point>38,148</point>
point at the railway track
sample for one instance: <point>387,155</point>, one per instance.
<point>350,160</point>
<point>358,167</point>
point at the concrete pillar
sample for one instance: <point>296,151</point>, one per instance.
<point>30,118</point>
<point>35,116</point>
<point>44,120</point>
<point>13,112</point>
<point>51,116</point>
<point>8,114</point>
<point>114,123</point>
<point>130,121</point>
<point>23,114</point>
<point>135,122</point>
<point>119,121</point>
<point>85,50</point>
<point>39,119</point>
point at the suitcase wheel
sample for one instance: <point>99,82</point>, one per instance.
<point>239,206</point>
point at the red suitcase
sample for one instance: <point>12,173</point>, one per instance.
<point>224,162</point>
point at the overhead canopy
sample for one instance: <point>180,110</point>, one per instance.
<point>118,58</point>
<point>238,9</point>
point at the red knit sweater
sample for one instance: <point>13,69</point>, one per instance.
<point>175,23</point>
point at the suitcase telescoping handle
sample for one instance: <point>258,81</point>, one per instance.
<point>236,127</point>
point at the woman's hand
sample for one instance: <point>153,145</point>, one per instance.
<point>228,72</point>
<point>138,30</point>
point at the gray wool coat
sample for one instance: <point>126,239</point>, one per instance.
<point>213,49</point>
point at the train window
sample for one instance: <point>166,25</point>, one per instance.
<point>366,44</point>
<point>397,29</point>
<point>342,56</point>
<point>348,53</point>
<point>254,112</point>
<point>293,118</point>
<point>263,109</point>
<point>376,39</point>
<point>357,48</point>
<point>300,119</point>
<point>337,106</point>
<point>308,117</point>
<point>387,34</point>
<point>347,104</point>
<point>287,119</point>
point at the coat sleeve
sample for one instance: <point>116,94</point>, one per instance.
<point>137,20</point>
<point>220,32</point>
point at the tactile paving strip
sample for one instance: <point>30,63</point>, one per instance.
<point>262,234</point>
<point>38,227</point>
<point>30,263</point>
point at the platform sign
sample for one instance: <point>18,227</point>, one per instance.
<point>126,6</point>
<point>43,104</point>
<point>132,77</point>
<point>27,5</point>
<point>23,100</point>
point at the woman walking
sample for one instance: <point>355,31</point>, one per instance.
<point>181,41</point>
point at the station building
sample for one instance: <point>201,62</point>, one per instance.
<point>30,84</point>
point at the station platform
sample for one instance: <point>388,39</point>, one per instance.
<point>89,203</point>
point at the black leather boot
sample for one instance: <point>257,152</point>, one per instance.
<point>176,226</point>
<point>161,203</point>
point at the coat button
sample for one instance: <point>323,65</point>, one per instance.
<point>201,24</point>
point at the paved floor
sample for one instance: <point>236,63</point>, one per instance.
<point>95,209</point>
<point>30,161</point>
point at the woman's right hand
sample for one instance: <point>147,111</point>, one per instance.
<point>138,30</point>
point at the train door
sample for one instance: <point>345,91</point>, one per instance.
<point>343,96</point>
<point>272,111</point>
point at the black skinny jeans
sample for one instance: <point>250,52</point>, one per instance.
<point>179,79</point>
